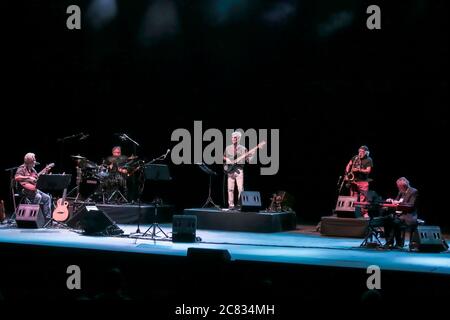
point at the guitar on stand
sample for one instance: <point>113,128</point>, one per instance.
<point>233,165</point>
<point>31,184</point>
<point>61,212</point>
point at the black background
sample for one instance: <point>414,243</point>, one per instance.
<point>327,93</point>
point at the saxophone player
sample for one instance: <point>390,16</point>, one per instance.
<point>357,172</point>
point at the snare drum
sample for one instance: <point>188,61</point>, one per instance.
<point>103,172</point>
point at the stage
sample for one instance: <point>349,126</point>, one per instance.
<point>236,220</point>
<point>256,267</point>
<point>303,247</point>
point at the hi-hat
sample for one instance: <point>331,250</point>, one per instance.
<point>78,157</point>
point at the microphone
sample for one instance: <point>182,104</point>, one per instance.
<point>84,136</point>
<point>121,136</point>
<point>37,163</point>
<point>167,152</point>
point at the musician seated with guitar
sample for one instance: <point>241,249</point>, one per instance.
<point>403,215</point>
<point>27,177</point>
<point>235,157</point>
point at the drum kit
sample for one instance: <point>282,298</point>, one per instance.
<point>102,182</point>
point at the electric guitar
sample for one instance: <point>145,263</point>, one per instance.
<point>232,165</point>
<point>61,212</point>
<point>31,186</point>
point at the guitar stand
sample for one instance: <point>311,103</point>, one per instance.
<point>77,189</point>
<point>49,224</point>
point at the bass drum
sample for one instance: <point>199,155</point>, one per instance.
<point>88,187</point>
<point>114,181</point>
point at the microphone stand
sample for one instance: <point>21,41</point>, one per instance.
<point>162,157</point>
<point>63,140</point>
<point>126,137</point>
<point>11,186</point>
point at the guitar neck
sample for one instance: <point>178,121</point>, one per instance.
<point>46,169</point>
<point>64,195</point>
<point>243,156</point>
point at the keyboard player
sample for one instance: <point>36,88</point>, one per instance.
<point>403,213</point>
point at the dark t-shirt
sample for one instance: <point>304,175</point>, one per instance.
<point>116,162</point>
<point>363,163</point>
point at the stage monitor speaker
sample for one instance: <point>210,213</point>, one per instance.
<point>345,207</point>
<point>250,201</point>
<point>29,216</point>
<point>429,239</point>
<point>184,228</point>
<point>93,222</point>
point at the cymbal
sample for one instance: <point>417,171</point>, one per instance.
<point>90,165</point>
<point>132,157</point>
<point>78,157</point>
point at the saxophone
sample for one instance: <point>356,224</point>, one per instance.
<point>350,176</point>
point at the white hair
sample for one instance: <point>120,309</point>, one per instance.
<point>29,157</point>
<point>236,134</point>
<point>403,181</point>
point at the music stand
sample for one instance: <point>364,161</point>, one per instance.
<point>210,173</point>
<point>156,172</point>
<point>53,182</point>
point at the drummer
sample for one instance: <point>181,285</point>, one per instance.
<point>117,171</point>
<point>116,162</point>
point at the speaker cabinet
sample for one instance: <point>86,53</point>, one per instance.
<point>250,201</point>
<point>429,238</point>
<point>184,228</point>
<point>29,216</point>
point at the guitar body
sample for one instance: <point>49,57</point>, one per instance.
<point>61,212</point>
<point>230,168</point>
<point>29,186</point>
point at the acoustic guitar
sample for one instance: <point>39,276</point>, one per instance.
<point>61,212</point>
<point>231,166</point>
<point>31,186</point>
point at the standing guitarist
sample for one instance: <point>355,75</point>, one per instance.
<point>27,176</point>
<point>236,174</point>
